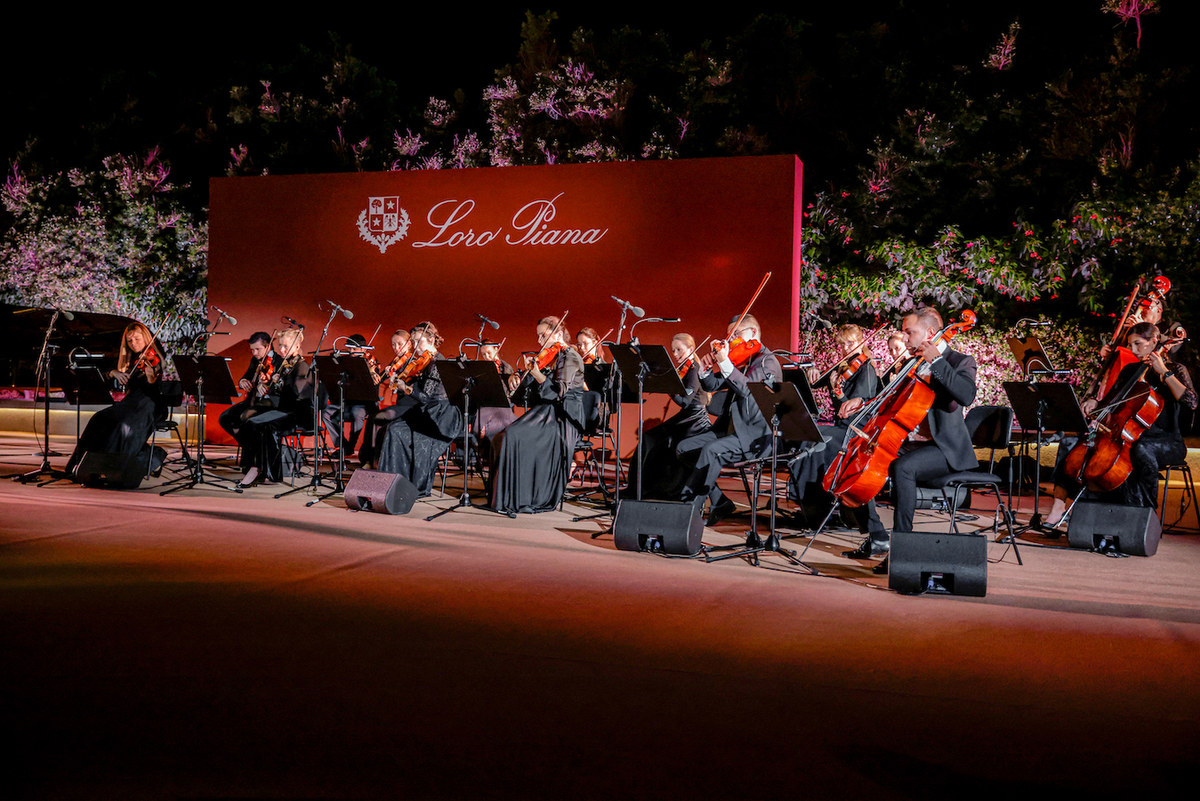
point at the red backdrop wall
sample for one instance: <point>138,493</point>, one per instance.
<point>689,239</point>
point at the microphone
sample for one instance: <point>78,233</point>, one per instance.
<point>66,315</point>
<point>492,323</point>
<point>821,321</point>
<point>337,308</point>
<point>232,320</point>
<point>661,320</point>
<point>638,311</point>
<point>294,323</point>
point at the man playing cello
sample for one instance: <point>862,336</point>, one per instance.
<point>941,443</point>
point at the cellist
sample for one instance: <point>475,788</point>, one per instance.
<point>740,432</point>
<point>1160,444</point>
<point>941,444</point>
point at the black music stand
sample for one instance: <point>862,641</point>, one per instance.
<point>656,373</point>
<point>798,376</point>
<point>1044,406</point>
<point>1030,354</point>
<point>213,383</point>
<point>789,416</point>
<point>87,384</point>
<point>348,377</point>
<point>481,381</point>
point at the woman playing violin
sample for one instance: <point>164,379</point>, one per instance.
<point>125,426</point>
<point>529,473</point>
<point>851,382</point>
<point>735,363</point>
<point>424,423</point>
<point>587,342</point>
<point>663,472</point>
<point>387,380</point>
<point>291,392</point>
<point>1160,444</point>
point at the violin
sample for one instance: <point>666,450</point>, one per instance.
<point>686,362</point>
<point>741,351</point>
<point>860,469</point>
<point>845,370</point>
<point>1102,461</point>
<point>547,356</point>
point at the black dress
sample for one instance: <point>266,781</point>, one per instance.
<point>261,435</point>
<point>422,429</point>
<point>529,472</point>
<point>125,426</point>
<point>663,472</point>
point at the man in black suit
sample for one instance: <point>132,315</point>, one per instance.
<point>941,444</point>
<point>740,431</point>
<point>233,418</point>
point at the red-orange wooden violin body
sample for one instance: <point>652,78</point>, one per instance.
<point>876,434</point>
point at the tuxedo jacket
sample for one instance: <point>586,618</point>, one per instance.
<point>953,380</point>
<point>735,409</point>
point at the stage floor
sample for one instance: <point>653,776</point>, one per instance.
<point>207,644</point>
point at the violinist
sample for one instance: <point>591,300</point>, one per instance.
<point>740,432</point>
<point>529,472</point>
<point>291,391</point>
<point>125,426</point>
<point>1161,443</point>
<point>401,342</point>
<point>491,420</point>
<point>256,375</point>
<point>587,342</point>
<point>424,422</point>
<point>851,382</point>
<point>662,470</point>
<point>358,412</point>
<point>941,443</point>
<point>895,348</point>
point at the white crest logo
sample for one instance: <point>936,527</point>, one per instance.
<point>383,223</point>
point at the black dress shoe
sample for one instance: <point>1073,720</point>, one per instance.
<point>720,510</point>
<point>881,569</point>
<point>870,548</point>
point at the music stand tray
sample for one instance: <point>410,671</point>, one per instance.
<point>476,385</point>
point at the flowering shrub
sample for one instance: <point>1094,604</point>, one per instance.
<point>111,240</point>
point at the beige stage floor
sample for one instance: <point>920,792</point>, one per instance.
<point>208,645</point>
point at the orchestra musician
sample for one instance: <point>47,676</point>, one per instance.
<point>125,426</point>
<point>1159,445</point>
<point>850,385</point>
<point>529,472</point>
<point>490,421</point>
<point>740,431</point>
<point>357,413</point>
<point>587,342</point>
<point>895,348</point>
<point>233,418</point>
<point>424,423</point>
<point>941,443</point>
<point>662,470</point>
<point>291,391</point>
<point>401,342</point>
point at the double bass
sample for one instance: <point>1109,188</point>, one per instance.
<point>1102,460</point>
<point>860,469</point>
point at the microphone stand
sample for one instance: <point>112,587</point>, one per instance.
<point>613,387</point>
<point>314,379</point>
<point>44,365</point>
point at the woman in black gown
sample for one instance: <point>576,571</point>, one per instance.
<point>290,392</point>
<point>389,393</point>
<point>664,474</point>
<point>1159,445</point>
<point>424,423</point>
<point>125,426</point>
<point>529,471</point>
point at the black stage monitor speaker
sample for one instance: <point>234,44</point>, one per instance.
<point>951,564</point>
<point>1129,529</point>
<point>374,491</point>
<point>672,527</point>
<point>114,470</point>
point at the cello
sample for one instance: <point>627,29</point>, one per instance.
<point>1102,460</point>
<point>860,469</point>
